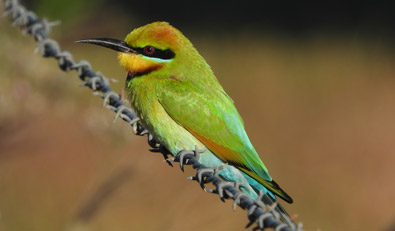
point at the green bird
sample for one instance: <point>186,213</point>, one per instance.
<point>181,103</point>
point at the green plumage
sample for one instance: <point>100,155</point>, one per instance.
<point>183,104</point>
<point>179,100</point>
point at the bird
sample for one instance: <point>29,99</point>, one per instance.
<point>182,104</point>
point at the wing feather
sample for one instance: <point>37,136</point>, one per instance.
<point>211,116</point>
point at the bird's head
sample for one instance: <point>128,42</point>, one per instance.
<point>153,47</point>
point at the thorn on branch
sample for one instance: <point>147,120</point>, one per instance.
<point>48,47</point>
<point>121,110</point>
<point>201,171</point>
<point>271,209</point>
<point>221,189</point>
<point>108,96</point>
<point>258,202</point>
<point>280,226</point>
<point>237,199</point>
<point>82,67</point>
<point>261,219</point>
<point>65,60</point>
<point>180,157</point>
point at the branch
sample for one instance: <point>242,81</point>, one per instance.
<point>262,215</point>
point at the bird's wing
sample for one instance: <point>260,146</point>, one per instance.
<point>211,117</point>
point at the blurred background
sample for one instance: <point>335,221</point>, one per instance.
<point>314,82</point>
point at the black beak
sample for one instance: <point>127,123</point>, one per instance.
<point>114,44</point>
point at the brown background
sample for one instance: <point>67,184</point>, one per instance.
<point>319,108</point>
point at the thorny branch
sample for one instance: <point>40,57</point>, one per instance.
<point>262,215</point>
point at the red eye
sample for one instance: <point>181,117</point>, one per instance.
<point>149,50</point>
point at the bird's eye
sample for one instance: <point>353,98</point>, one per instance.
<point>149,50</point>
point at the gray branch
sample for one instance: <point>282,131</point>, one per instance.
<point>260,215</point>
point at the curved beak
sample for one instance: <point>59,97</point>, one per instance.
<point>114,44</point>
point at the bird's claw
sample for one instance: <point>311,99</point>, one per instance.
<point>152,142</point>
<point>135,125</point>
<point>180,157</point>
<point>201,171</point>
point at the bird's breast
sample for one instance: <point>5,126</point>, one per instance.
<point>155,119</point>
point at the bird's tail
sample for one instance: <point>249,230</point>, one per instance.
<point>272,186</point>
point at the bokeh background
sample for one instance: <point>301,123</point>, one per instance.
<point>314,82</point>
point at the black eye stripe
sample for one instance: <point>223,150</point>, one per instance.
<point>157,53</point>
